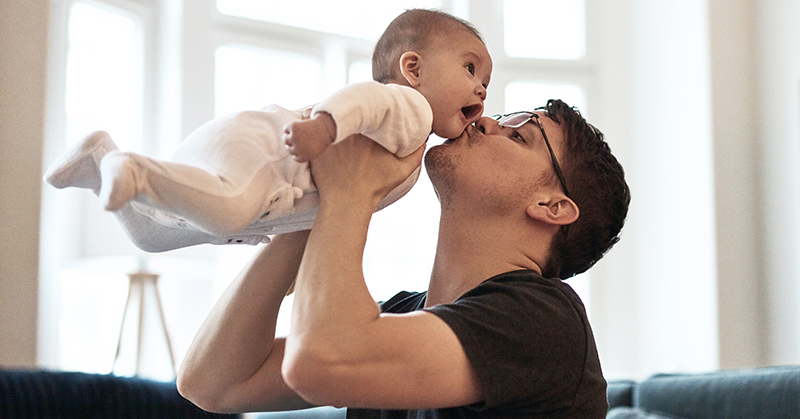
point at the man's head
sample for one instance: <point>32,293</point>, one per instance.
<point>442,57</point>
<point>549,170</point>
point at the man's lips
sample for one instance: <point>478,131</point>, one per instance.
<point>467,133</point>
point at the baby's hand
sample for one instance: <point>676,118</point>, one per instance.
<point>308,138</point>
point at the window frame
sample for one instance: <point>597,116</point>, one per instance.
<point>179,97</point>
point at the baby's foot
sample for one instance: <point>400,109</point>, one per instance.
<point>118,186</point>
<point>79,166</point>
<point>308,138</point>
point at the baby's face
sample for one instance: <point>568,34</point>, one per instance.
<point>454,74</point>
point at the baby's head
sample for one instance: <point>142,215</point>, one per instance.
<point>442,57</point>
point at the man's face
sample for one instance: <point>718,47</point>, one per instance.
<point>454,74</point>
<point>494,167</point>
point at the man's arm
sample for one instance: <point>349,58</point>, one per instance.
<point>234,362</point>
<point>341,349</point>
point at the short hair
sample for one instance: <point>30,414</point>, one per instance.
<point>597,185</point>
<point>411,30</point>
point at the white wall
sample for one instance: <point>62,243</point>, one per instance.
<point>654,298</point>
<point>23,40</point>
<point>736,166</point>
<point>707,273</point>
<point>777,113</point>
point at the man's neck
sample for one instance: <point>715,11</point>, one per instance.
<point>469,253</point>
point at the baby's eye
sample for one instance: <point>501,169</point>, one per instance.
<point>471,68</point>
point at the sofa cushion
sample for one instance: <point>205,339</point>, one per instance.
<point>634,413</point>
<point>325,412</point>
<point>620,393</point>
<point>768,393</point>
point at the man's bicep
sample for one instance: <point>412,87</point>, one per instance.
<point>414,361</point>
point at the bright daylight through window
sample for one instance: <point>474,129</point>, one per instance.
<point>112,62</point>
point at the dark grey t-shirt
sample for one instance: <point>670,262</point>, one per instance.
<point>530,344</point>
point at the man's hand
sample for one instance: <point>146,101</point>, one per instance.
<point>307,139</point>
<point>359,168</point>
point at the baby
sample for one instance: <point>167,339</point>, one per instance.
<point>245,176</point>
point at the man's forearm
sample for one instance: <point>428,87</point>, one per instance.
<point>234,361</point>
<point>333,309</point>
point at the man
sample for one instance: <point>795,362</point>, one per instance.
<point>492,338</point>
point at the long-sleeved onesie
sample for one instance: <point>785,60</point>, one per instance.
<point>232,180</point>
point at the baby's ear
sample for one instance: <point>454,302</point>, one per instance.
<point>410,63</point>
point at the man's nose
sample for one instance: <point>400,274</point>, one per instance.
<point>488,125</point>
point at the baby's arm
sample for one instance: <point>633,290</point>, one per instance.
<point>306,139</point>
<point>396,117</point>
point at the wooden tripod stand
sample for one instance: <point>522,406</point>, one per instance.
<point>137,285</point>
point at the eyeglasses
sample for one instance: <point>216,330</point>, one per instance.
<point>518,119</point>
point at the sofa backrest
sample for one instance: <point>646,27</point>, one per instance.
<point>768,393</point>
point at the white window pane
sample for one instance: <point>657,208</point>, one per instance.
<point>522,96</point>
<point>360,71</point>
<point>104,76</point>
<point>89,320</point>
<point>401,243</point>
<point>248,78</point>
<point>103,91</point>
<point>545,29</point>
<point>358,18</point>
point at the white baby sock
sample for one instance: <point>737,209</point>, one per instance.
<point>79,166</point>
<point>118,174</point>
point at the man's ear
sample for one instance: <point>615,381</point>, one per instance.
<point>410,63</point>
<point>559,210</point>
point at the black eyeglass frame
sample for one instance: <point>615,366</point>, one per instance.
<point>556,166</point>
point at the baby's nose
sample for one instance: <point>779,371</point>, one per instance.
<point>481,92</point>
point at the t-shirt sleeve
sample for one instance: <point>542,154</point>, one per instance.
<point>526,341</point>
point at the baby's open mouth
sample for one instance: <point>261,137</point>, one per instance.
<point>472,111</point>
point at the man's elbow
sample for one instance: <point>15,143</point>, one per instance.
<point>198,392</point>
<point>312,375</point>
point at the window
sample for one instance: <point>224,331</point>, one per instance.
<point>105,75</point>
<point>248,78</point>
<point>316,15</point>
<point>118,77</point>
<point>545,29</point>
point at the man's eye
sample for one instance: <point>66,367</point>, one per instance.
<point>471,68</point>
<point>516,136</point>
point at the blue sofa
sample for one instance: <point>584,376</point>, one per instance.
<point>760,393</point>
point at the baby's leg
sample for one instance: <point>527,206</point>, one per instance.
<point>79,167</point>
<point>220,204</point>
<point>150,236</point>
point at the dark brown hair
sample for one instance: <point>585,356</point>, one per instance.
<point>597,184</point>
